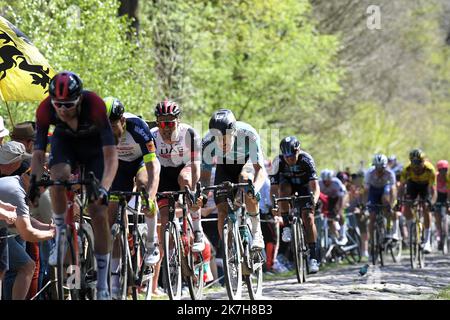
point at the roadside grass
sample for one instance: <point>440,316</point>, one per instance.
<point>443,295</point>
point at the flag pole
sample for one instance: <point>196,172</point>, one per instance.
<point>9,113</point>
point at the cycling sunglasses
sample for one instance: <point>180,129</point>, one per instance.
<point>170,124</point>
<point>416,162</point>
<point>65,104</point>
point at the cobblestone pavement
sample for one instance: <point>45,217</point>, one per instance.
<point>392,282</point>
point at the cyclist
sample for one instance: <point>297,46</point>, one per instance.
<point>82,135</point>
<point>419,178</point>
<point>234,143</point>
<point>178,151</point>
<point>137,158</point>
<point>294,171</point>
<point>443,182</point>
<point>336,192</point>
<point>380,185</point>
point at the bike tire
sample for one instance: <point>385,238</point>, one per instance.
<point>172,261</point>
<point>304,251</point>
<point>354,256</point>
<point>122,271</point>
<point>421,255</point>
<point>88,263</point>
<point>297,251</point>
<point>413,246</point>
<point>381,245</point>
<point>232,260</point>
<point>444,237</point>
<point>195,263</point>
<point>374,246</point>
<point>254,279</point>
<point>65,259</point>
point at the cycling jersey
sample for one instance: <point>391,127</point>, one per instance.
<point>182,151</point>
<point>92,122</point>
<point>137,141</point>
<point>443,183</point>
<point>373,179</point>
<point>428,176</point>
<point>246,147</point>
<point>301,173</point>
<point>81,146</point>
<point>335,190</point>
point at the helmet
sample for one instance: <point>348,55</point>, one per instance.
<point>289,146</point>
<point>392,158</point>
<point>65,85</point>
<point>343,176</point>
<point>167,108</point>
<point>442,164</point>
<point>416,154</point>
<point>114,108</point>
<point>326,174</point>
<point>223,120</point>
<point>380,161</point>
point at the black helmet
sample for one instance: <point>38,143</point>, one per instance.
<point>65,85</point>
<point>416,155</point>
<point>289,146</point>
<point>223,120</point>
<point>114,108</point>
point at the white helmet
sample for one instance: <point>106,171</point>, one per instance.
<point>326,174</point>
<point>380,161</point>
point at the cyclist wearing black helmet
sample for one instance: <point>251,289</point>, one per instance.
<point>137,159</point>
<point>294,171</point>
<point>419,178</point>
<point>234,143</point>
<point>82,135</point>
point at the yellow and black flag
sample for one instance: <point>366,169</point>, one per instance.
<point>24,73</point>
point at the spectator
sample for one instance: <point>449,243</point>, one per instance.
<point>12,190</point>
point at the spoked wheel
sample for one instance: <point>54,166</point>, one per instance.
<point>172,261</point>
<point>395,249</point>
<point>88,262</point>
<point>232,261</point>
<point>119,244</point>
<point>421,236</point>
<point>195,263</point>
<point>254,278</point>
<point>414,246</point>
<point>376,247</point>
<point>304,251</point>
<point>297,251</point>
<point>141,277</point>
<point>67,276</point>
<point>353,256</point>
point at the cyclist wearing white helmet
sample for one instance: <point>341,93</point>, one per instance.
<point>380,185</point>
<point>336,192</point>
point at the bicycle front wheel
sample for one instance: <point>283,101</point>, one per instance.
<point>118,277</point>
<point>172,261</point>
<point>414,246</point>
<point>254,263</point>
<point>297,253</point>
<point>232,260</point>
<point>68,285</point>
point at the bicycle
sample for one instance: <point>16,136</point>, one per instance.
<point>130,242</point>
<point>416,233</point>
<point>179,260</point>
<point>298,242</point>
<point>77,236</point>
<point>323,241</point>
<point>240,261</point>
<point>441,208</point>
<point>378,240</point>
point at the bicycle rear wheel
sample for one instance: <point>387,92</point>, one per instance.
<point>141,275</point>
<point>120,239</point>
<point>232,260</point>
<point>254,263</point>
<point>67,286</point>
<point>297,251</point>
<point>172,261</point>
<point>195,263</point>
